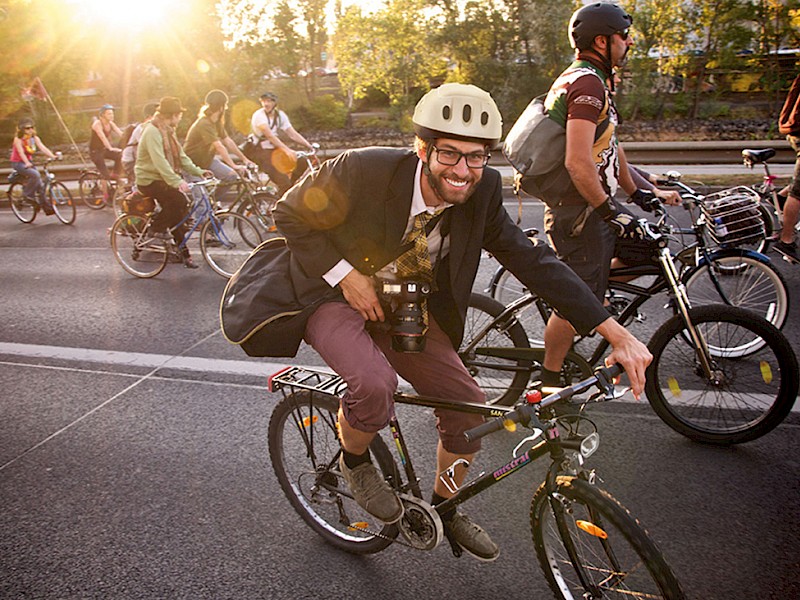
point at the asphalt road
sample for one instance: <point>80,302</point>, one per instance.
<point>133,459</point>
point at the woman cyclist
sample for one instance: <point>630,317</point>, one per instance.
<point>26,144</point>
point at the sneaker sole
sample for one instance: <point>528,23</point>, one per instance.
<point>480,558</point>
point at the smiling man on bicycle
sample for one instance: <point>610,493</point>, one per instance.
<point>159,162</point>
<point>419,220</point>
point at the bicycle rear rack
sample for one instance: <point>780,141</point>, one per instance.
<point>308,379</point>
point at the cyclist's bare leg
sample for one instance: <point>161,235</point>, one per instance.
<point>353,440</point>
<point>791,212</point>
<point>445,460</point>
<point>558,337</point>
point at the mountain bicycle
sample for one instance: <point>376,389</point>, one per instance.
<point>144,253</point>
<point>720,374</point>
<point>26,209</point>
<point>771,206</point>
<point>588,545</point>
<point>731,275</point>
<point>96,192</point>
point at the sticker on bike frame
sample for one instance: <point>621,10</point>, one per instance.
<point>509,468</point>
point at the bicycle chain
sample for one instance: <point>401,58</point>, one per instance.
<point>397,539</point>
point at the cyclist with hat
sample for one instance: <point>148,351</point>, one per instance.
<point>272,154</point>
<point>26,144</point>
<point>350,223</point>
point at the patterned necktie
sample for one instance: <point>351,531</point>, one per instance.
<point>415,263</point>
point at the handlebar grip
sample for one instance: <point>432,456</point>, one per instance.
<point>486,428</point>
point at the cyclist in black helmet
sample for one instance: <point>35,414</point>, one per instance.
<point>582,221</point>
<point>360,220</point>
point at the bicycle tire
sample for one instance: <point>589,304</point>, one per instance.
<point>139,254</point>
<point>61,201</point>
<point>747,397</point>
<point>222,244</point>
<point>500,387</point>
<point>747,283</point>
<point>568,528</point>
<point>304,450</point>
<point>24,209</point>
<point>257,208</point>
<point>91,190</point>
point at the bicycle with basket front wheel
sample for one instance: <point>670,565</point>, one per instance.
<point>144,253</point>
<point>720,374</point>
<point>26,209</point>
<point>587,543</point>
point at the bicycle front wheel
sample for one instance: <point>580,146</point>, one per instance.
<point>502,380</point>
<point>25,210</point>
<point>91,190</point>
<point>139,254</point>
<point>304,449</point>
<point>743,398</point>
<point>746,282</point>
<point>590,546</point>
<point>225,241</point>
<point>61,201</point>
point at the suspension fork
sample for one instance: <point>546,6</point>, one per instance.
<point>683,305</point>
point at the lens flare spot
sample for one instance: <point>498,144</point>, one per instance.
<point>674,387</point>
<point>202,66</point>
<point>283,161</point>
<point>591,529</point>
<point>766,372</point>
<point>316,199</point>
<point>509,425</point>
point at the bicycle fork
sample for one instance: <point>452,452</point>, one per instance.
<point>683,305</point>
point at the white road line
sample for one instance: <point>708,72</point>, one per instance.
<point>139,359</point>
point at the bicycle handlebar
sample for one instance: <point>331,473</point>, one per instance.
<point>603,379</point>
<point>211,181</point>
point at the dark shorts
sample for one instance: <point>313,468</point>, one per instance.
<point>589,253</point>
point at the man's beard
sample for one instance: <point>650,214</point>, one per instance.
<point>447,193</point>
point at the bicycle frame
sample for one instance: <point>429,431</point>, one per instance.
<point>551,443</point>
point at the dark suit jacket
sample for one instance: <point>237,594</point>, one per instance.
<point>357,207</point>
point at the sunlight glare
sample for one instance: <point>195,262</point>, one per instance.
<point>132,15</point>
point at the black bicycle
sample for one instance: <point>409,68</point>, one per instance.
<point>588,544</point>
<point>26,209</point>
<point>720,374</point>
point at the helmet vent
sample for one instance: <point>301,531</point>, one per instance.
<point>466,114</point>
<point>484,118</point>
<point>446,113</point>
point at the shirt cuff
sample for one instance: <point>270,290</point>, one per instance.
<point>338,272</point>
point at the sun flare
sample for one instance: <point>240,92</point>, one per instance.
<point>131,15</point>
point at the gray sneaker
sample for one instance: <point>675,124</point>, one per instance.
<point>472,538</point>
<point>372,492</point>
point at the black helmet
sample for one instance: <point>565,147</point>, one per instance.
<point>600,18</point>
<point>269,96</point>
<point>216,99</point>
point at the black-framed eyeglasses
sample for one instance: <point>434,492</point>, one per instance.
<point>624,34</point>
<point>450,158</point>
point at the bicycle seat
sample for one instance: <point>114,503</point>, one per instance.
<point>758,156</point>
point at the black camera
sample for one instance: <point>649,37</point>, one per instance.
<point>404,299</point>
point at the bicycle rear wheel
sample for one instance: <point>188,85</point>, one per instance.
<point>304,450</point>
<point>139,254</point>
<point>61,201</point>
<point>590,546</point>
<point>746,282</point>
<point>225,241</point>
<point>744,398</point>
<point>25,210</point>
<point>91,190</point>
<point>257,208</point>
<point>502,380</point>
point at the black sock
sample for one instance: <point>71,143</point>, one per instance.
<point>353,460</point>
<point>437,499</point>
<point>551,378</point>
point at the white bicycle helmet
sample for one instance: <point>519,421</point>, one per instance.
<point>459,111</point>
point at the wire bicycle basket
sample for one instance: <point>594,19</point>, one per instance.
<point>733,217</point>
